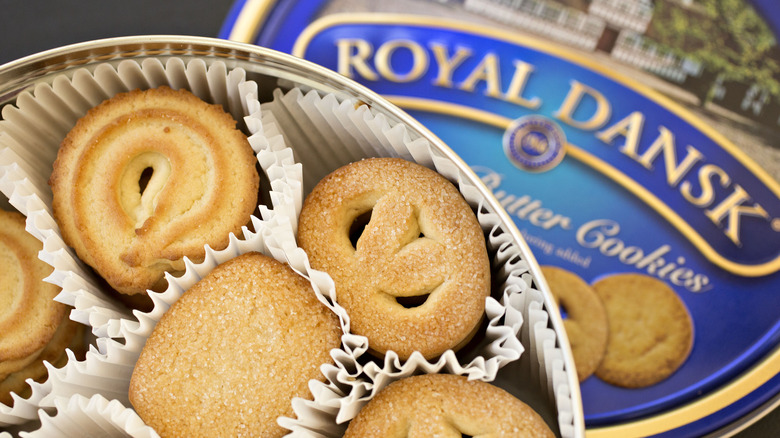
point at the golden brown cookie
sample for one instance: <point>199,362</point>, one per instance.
<point>228,357</point>
<point>69,334</point>
<point>447,406</point>
<point>586,321</point>
<point>33,327</point>
<point>147,178</point>
<point>417,277</point>
<point>650,330</point>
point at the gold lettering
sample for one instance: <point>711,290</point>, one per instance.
<point>487,71</point>
<point>514,94</point>
<point>385,52</point>
<point>630,128</point>
<point>705,180</point>
<point>447,65</point>
<point>665,142</point>
<point>357,58</point>
<point>731,207</point>
<point>577,91</point>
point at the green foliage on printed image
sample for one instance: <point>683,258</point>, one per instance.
<point>727,36</point>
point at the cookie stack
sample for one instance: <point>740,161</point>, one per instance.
<point>33,327</point>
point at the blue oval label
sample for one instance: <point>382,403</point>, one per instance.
<point>534,143</point>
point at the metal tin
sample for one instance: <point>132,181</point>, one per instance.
<point>268,67</point>
<point>413,52</point>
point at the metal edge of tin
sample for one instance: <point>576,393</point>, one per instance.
<point>24,73</point>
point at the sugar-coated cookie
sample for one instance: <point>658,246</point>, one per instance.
<point>415,278</point>
<point>229,356</point>
<point>444,405</point>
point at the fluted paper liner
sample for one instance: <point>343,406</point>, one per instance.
<point>326,133</point>
<point>329,133</point>
<point>32,130</point>
<point>30,135</point>
<point>93,416</point>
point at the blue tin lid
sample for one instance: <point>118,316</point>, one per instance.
<point>598,142</point>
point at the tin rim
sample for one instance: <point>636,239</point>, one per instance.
<point>25,73</point>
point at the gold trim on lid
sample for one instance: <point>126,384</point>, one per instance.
<point>247,24</point>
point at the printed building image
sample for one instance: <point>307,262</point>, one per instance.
<point>726,72</point>
<point>627,31</point>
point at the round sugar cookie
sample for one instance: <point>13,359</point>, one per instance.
<point>446,405</point>
<point>650,330</point>
<point>230,355</point>
<point>416,277</point>
<point>586,319</point>
<point>150,177</point>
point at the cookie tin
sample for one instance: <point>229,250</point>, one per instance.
<point>613,150</point>
<point>271,69</point>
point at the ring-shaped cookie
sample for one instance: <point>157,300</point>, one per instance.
<point>445,405</point>
<point>585,322</point>
<point>147,178</point>
<point>418,274</point>
<point>33,327</point>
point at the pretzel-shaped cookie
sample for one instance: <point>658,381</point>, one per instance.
<point>446,405</point>
<point>418,275</point>
<point>203,185</point>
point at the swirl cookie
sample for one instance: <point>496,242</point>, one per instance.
<point>650,330</point>
<point>586,319</point>
<point>147,178</point>
<point>33,327</point>
<point>417,275</point>
<point>228,356</point>
<point>446,405</point>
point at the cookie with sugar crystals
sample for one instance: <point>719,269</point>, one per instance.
<point>230,355</point>
<point>650,330</point>
<point>446,405</point>
<point>405,251</point>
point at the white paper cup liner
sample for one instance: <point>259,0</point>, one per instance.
<point>94,416</point>
<point>32,129</point>
<point>329,133</point>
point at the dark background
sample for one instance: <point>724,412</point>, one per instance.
<point>31,26</point>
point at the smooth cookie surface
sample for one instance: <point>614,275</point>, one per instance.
<point>586,319</point>
<point>228,356</point>
<point>416,277</point>
<point>650,330</point>
<point>147,178</point>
